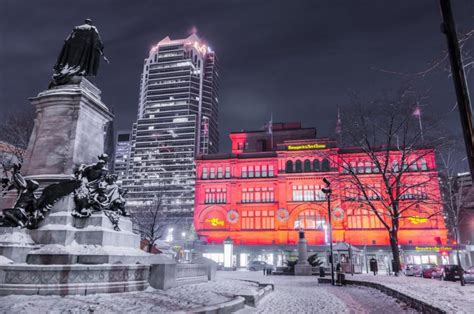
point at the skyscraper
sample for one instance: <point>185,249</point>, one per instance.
<point>177,120</point>
<point>122,154</point>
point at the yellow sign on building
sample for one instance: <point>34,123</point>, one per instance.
<point>215,222</point>
<point>306,146</point>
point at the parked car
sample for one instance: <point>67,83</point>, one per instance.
<point>419,272</point>
<point>447,272</point>
<point>469,275</point>
<point>259,265</point>
<point>412,270</point>
<point>428,271</point>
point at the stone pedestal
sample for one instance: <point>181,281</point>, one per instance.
<point>303,268</point>
<point>15,244</point>
<point>68,130</point>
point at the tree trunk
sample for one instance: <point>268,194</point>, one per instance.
<point>395,251</point>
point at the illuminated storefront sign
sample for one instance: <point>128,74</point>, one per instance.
<point>433,248</point>
<point>215,222</point>
<point>306,146</point>
<point>417,220</point>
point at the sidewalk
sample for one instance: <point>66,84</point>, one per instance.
<point>446,295</point>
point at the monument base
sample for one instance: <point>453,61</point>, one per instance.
<point>72,279</point>
<point>303,270</point>
<point>15,244</point>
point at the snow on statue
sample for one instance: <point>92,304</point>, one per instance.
<point>80,55</point>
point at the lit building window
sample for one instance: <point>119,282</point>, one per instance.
<point>368,167</point>
<point>219,173</point>
<point>258,219</point>
<point>270,171</point>
<point>205,174</point>
<point>414,193</point>
<point>361,218</point>
<point>264,171</point>
<point>395,166</point>
<point>257,172</point>
<point>215,196</point>
<point>251,173</point>
<point>310,220</point>
<point>258,195</point>
<point>244,172</point>
<point>308,193</point>
<point>213,173</point>
<point>297,193</point>
<point>227,172</point>
<point>424,165</point>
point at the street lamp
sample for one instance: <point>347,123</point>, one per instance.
<point>327,190</point>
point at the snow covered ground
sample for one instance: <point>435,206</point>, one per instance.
<point>446,295</point>
<point>176,299</point>
<point>294,294</point>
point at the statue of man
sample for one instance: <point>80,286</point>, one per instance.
<point>80,55</point>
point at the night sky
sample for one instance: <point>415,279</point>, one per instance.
<point>296,60</point>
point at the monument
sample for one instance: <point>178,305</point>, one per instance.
<point>76,237</point>
<point>302,268</point>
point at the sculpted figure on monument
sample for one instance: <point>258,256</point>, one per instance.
<point>99,191</point>
<point>79,56</point>
<point>29,210</point>
<point>94,189</point>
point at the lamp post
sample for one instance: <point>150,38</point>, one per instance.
<point>327,190</point>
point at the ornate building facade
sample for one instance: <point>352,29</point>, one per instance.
<point>270,186</point>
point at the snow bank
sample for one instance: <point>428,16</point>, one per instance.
<point>183,298</point>
<point>446,295</point>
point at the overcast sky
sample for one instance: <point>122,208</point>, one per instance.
<point>296,60</point>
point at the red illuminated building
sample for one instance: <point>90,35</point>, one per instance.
<point>269,187</point>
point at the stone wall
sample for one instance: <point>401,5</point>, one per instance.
<point>165,276</point>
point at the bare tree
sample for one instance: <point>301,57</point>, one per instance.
<point>151,221</point>
<point>455,191</point>
<point>466,44</point>
<point>391,146</point>
<point>16,130</point>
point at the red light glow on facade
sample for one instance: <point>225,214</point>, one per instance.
<point>267,189</point>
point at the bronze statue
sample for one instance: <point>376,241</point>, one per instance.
<point>94,189</point>
<point>80,55</point>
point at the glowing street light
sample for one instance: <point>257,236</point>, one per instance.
<point>327,190</point>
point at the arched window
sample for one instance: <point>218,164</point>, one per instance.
<point>310,219</point>
<point>325,165</point>
<point>298,166</point>
<point>289,166</point>
<point>316,165</point>
<point>307,165</point>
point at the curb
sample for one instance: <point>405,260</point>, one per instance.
<point>412,302</point>
<point>231,306</point>
<point>254,299</point>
